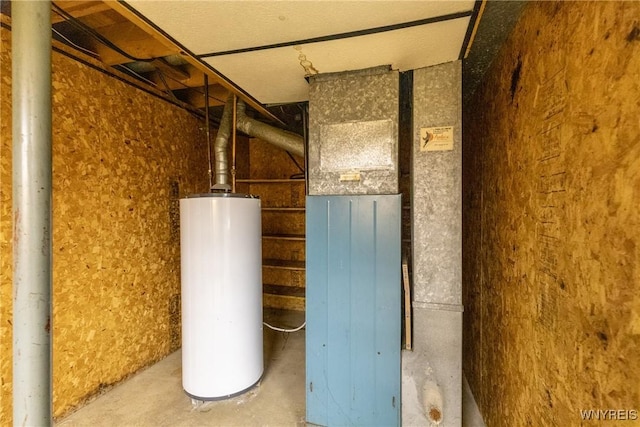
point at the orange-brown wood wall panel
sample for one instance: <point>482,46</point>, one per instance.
<point>121,160</point>
<point>551,218</point>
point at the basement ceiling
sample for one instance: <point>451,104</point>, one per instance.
<point>264,51</point>
<point>269,48</point>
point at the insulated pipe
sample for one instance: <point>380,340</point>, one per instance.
<point>220,147</point>
<point>31,105</point>
<point>280,138</point>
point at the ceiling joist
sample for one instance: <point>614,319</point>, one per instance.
<point>132,40</point>
<point>120,36</point>
<point>195,79</point>
<point>78,9</point>
<point>142,24</point>
<point>217,96</point>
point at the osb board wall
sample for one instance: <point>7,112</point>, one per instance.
<point>284,288</point>
<point>268,161</point>
<point>280,194</point>
<point>121,161</point>
<point>552,228</point>
<point>6,260</point>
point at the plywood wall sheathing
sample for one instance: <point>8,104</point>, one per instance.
<point>283,223</point>
<point>280,195</point>
<point>6,230</point>
<point>269,161</point>
<point>283,302</point>
<point>121,160</point>
<point>285,249</point>
<point>552,226</point>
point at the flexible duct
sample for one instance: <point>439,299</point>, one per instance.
<point>220,148</point>
<point>280,138</point>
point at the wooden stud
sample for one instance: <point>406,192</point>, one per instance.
<point>406,286</point>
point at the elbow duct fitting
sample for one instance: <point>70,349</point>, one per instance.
<point>280,138</point>
<point>220,148</point>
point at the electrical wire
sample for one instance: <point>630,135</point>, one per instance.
<point>284,330</point>
<point>91,32</point>
<point>130,71</point>
<point>293,159</point>
<point>95,55</point>
<point>166,86</point>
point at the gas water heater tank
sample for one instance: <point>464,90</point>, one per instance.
<point>221,280</point>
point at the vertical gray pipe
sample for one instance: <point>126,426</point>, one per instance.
<point>208,128</point>
<point>31,105</point>
<point>221,147</point>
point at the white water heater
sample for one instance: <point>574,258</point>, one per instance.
<point>221,280</point>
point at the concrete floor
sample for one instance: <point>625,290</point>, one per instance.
<point>154,397</point>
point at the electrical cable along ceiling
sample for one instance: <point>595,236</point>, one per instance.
<point>268,47</point>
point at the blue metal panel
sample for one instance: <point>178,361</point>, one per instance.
<point>353,310</point>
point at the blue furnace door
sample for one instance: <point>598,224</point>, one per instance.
<point>353,310</point>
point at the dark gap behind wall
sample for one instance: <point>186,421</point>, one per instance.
<point>405,144</point>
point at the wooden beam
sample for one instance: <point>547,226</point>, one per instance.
<point>217,96</point>
<point>406,287</point>
<point>78,9</point>
<point>132,40</point>
<point>171,71</point>
<point>197,63</point>
<point>92,62</point>
<point>196,79</point>
<point>475,28</point>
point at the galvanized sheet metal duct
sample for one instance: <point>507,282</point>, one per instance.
<point>280,138</point>
<point>220,148</point>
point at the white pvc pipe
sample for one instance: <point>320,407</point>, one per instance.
<point>31,105</point>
